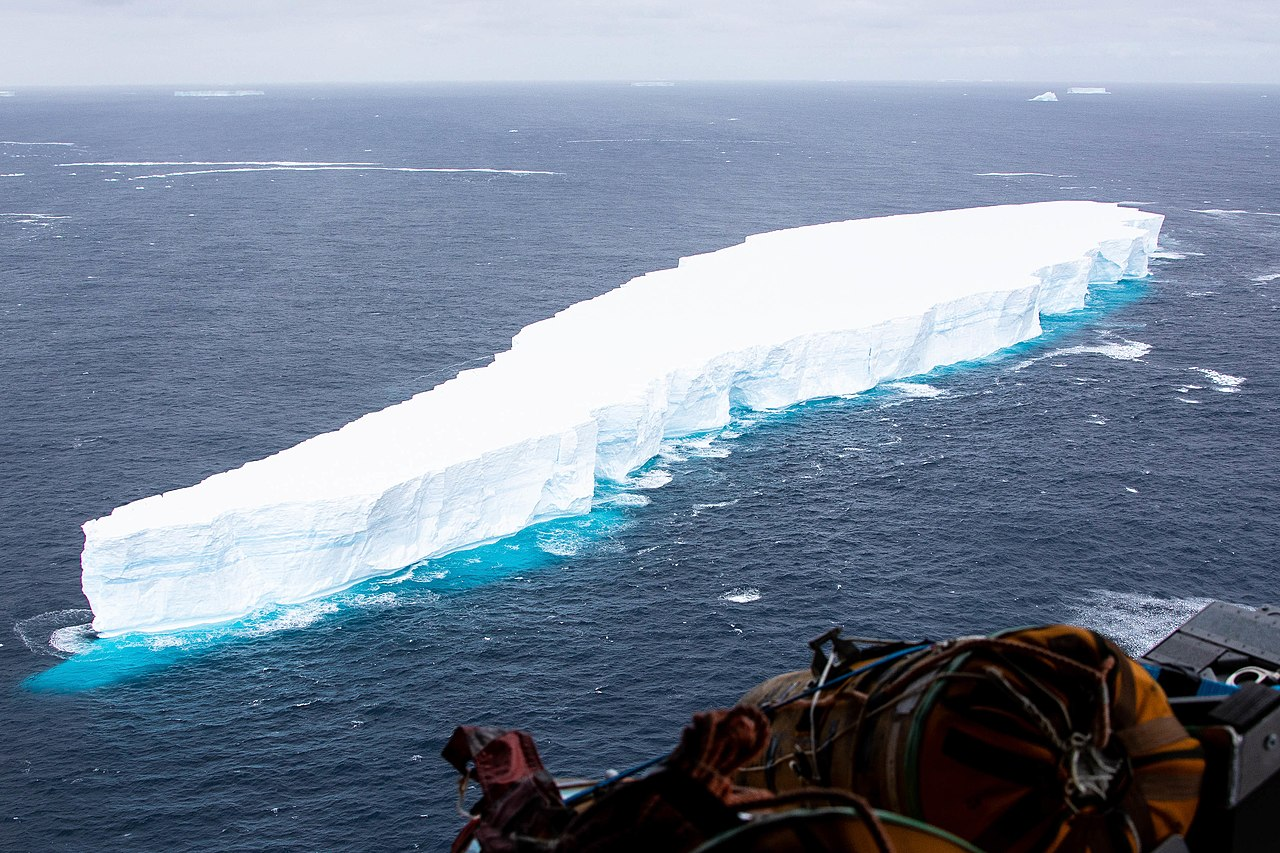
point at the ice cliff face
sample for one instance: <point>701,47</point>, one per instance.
<point>783,317</point>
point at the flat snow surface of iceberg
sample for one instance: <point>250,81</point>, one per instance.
<point>781,318</point>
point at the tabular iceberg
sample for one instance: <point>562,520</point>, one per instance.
<point>783,317</point>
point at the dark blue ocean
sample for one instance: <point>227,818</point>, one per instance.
<point>201,303</point>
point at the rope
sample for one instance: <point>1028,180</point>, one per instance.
<point>813,712</point>
<point>768,708</point>
<point>604,783</point>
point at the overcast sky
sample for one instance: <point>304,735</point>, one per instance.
<point>243,42</point>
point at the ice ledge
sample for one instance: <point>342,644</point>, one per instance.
<point>783,317</point>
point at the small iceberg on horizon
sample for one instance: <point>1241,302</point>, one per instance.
<point>1047,96</point>
<point>217,93</point>
<point>1087,90</point>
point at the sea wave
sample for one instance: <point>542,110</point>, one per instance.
<point>698,509</point>
<point>1215,211</point>
<point>57,633</point>
<point>232,166</point>
<point>1123,350</point>
<point>1224,382</point>
<point>221,163</point>
<point>916,390</point>
<point>440,170</point>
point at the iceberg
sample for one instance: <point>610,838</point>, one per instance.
<point>1087,90</point>
<point>1047,96</point>
<point>217,93</point>
<point>783,317</point>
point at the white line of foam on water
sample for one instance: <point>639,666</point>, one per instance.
<point>224,163</point>
<point>442,170</point>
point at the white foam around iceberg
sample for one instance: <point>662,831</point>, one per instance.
<point>783,317</point>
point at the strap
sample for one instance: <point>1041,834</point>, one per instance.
<point>1152,736</point>
<point>831,796</point>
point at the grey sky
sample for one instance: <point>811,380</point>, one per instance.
<point>230,42</point>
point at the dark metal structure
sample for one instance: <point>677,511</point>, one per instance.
<point>1222,647</point>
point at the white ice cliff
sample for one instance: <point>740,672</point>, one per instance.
<point>783,317</point>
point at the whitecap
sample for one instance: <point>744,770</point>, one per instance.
<point>1214,211</point>
<point>1263,279</point>
<point>919,390</point>
<point>379,599</point>
<point>627,499</point>
<point>73,639</point>
<point>436,170</point>
<point>698,509</point>
<point>560,543</point>
<point>296,616</point>
<point>1168,256</point>
<point>703,446</point>
<point>742,595</point>
<point>1097,419</point>
<point>1015,175</point>
<point>1123,350</point>
<point>1135,621</point>
<point>1223,382</point>
<point>56,633</point>
<point>1200,294</point>
<point>233,166</point>
<point>156,642</point>
<point>217,93</point>
<point>13,175</point>
<point>150,163</point>
<point>14,142</point>
<point>649,478</point>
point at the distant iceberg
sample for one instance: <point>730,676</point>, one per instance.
<point>783,317</point>
<point>1047,96</point>
<point>217,93</point>
<point>1087,90</point>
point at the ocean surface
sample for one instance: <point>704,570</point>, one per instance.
<point>190,283</point>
